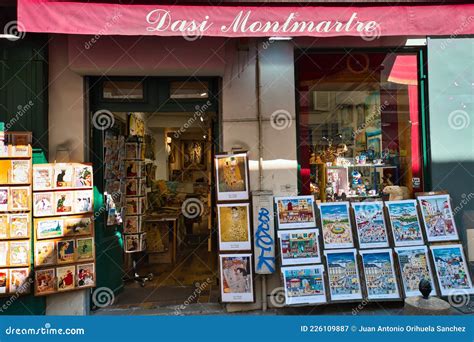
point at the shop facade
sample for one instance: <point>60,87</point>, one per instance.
<point>269,97</point>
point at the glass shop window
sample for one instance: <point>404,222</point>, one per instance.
<point>359,127</point>
<point>123,90</point>
<point>189,90</point>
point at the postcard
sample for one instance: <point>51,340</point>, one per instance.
<point>20,172</point>
<point>131,225</point>
<point>19,253</point>
<point>19,198</point>
<point>66,278</point>
<point>3,281</point>
<point>85,275</point>
<point>43,204</point>
<point>234,226</point>
<point>232,177</point>
<point>404,221</point>
<point>131,187</point>
<point>336,225</point>
<point>380,277</point>
<point>295,212</point>
<point>49,228</point>
<point>4,226</point>
<point>77,226</point>
<point>132,151</point>
<point>83,201</point>
<point>19,226</point>
<point>133,169</point>
<point>438,218</point>
<point>4,197</point>
<point>370,223</point>
<point>63,175</point>
<point>63,202</point>
<point>45,281</point>
<point>43,177</point>
<point>132,206</point>
<point>82,176</point>
<point>132,243</point>
<point>299,246</point>
<point>236,278</point>
<point>45,253</point>
<point>65,251</point>
<point>343,273</point>
<point>304,284</point>
<point>85,249</point>
<point>19,280</point>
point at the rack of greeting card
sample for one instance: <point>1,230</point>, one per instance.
<point>369,250</point>
<point>15,212</point>
<point>64,253</point>
<point>234,227</point>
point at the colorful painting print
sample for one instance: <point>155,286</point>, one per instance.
<point>83,201</point>
<point>132,169</point>
<point>3,281</point>
<point>4,199</point>
<point>131,151</point>
<point>414,266</point>
<point>85,249</point>
<point>43,204</point>
<point>451,268</point>
<point>4,226</point>
<point>65,251</point>
<point>63,175</point>
<point>232,177</point>
<point>65,278</point>
<point>20,171</point>
<point>336,225</point>
<point>304,284</point>
<point>193,154</point>
<point>42,177</point>
<point>343,273</point>
<point>132,243</point>
<point>295,212</point>
<point>234,226</point>
<point>76,226</point>
<point>19,253</point>
<point>3,253</point>
<point>131,187</point>
<point>404,221</point>
<point>438,218</point>
<point>236,278</point>
<point>132,206</point>
<point>19,280</point>
<point>82,176</point>
<point>45,253</point>
<point>49,228</point>
<point>19,198</point>
<point>299,246</point>
<point>45,282</point>
<point>370,223</point>
<point>85,275</point>
<point>380,278</point>
<point>19,226</point>
<point>63,202</point>
<point>131,225</point>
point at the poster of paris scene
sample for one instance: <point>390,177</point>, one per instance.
<point>452,270</point>
<point>380,278</point>
<point>414,266</point>
<point>299,246</point>
<point>343,273</point>
<point>295,212</point>
<point>370,223</point>
<point>405,225</point>
<point>438,218</point>
<point>304,284</point>
<point>336,225</point>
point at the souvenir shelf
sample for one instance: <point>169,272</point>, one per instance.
<point>64,255</point>
<point>15,212</point>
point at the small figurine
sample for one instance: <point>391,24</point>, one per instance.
<point>356,179</point>
<point>425,288</point>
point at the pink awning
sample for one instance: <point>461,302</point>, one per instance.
<point>76,17</point>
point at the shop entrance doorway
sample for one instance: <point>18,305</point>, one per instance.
<point>153,145</point>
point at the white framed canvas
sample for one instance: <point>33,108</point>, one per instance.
<point>405,224</point>
<point>379,273</point>
<point>438,218</point>
<point>336,225</point>
<point>234,226</point>
<point>370,224</point>
<point>299,246</point>
<point>304,284</point>
<point>343,274</point>
<point>414,266</point>
<point>20,171</point>
<point>236,277</point>
<point>451,269</point>
<point>232,179</point>
<point>295,212</point>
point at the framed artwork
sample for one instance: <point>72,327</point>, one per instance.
<point>451,269</point>
<point>132,243</point>
<point>43,175</point>
<point>295,212</point>
<point>85,249</point>
<point>4,226</point>
<point>85,276</point>
<point>132,151</point>
<point>43,204</point>
<point>299,246</point>
<point>83,201</point>
<point>3,253</point>
<point>132,187</point>
<point>63,202</point>
<point>45,281</point>
<point>379,273</point>
<point>236,278</point>
<point>66,278</point>
<point>19,253</point>
<point>4,197</point>
<point>49,228</point>
<point>132,206</point>
<point>63,175</point>
<point>19,226</point>
<point>232,177</point>
<point>19,198</point>
<point>370,223</point>
<point>131,224</point>
<point>65,251</point>
<point>405,224</point>
<point>19,280</point>
<point>343,274</point>
<point>3,281</point>
<point>45,253</point>
<point>77,226</point>
<point>20,172</point>
<point>414,266</point>
<point>304,284</point>
<point>136,125</point>
<point>193,154</point>
<point>438,218</point>
<point>234,226</point>
<point>82,176</point>
<point>336,225</point>
<point>133,168</point>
